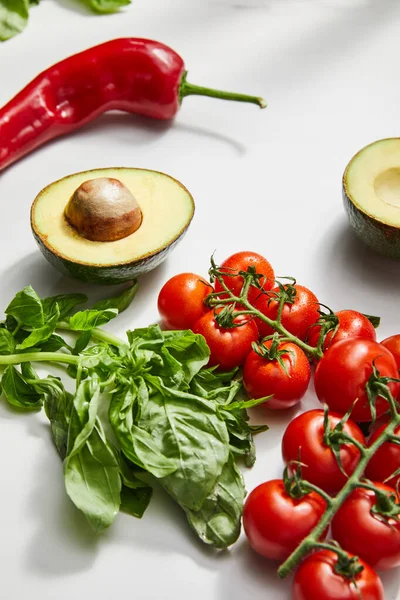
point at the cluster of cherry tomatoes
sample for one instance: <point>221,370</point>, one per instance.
<point>276,520</point>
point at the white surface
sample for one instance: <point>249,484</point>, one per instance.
<point>263,180</point>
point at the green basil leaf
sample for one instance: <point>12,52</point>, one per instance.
<point>41,334</point>
<point>106,6</point>
<point>190,349</point>
<point>57,406</point>
<point>120,302</point>
<point>7,342</point>
<point>53,343</point>
<point>82,341</point>
<point>135,494</point>
<point>13,18</point>
<point>218,522</point>
<point>88,319</point>
<point>91,470</point>
<point>189,431</point>
<point>137,444</point>
<point>18,392</point>
<point>27,308</point>
<point>65,302</point>
<point>135,501</point>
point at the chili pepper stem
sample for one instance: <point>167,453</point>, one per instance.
<point>352,483</point>
<point>189,89</point>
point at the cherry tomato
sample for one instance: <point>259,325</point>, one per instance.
<point>342,373</point>
<point>392,343</point>
<point>306,434</point>
<point>275,523</point>
<point>352,324</point>
<point>229,347</point>
<point>297,318</point>
<point>317,579</point>
<point>365,534</point>
<point>386,459</point>
<point>241,261</point>
<point>181,300</point>
<point>264,377</point>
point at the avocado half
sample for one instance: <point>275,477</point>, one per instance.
<point>371,195</point>
<point>167,210</point>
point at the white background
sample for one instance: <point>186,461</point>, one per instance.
<point>268,180</point>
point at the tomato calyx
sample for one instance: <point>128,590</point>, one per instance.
<point>375,321</point>
<point>287,291</point>
<point>348,566</point>
<point>336,437</point>
<point>273,352</point>
<point>225,317</point>
<point>386,504</point>
<point>294,484</point>
<point>377,386</point>
<point>328,323</point>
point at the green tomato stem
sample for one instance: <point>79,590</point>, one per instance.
<point>352,483</point>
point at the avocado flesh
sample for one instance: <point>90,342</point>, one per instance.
<point>371,194</point>
<point>167,208</point>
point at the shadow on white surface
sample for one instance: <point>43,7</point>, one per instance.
<point>34,270</point>
<point>346,259</point>
<point>136,131</point>
<point>250,573</point>
<point>63,542</point>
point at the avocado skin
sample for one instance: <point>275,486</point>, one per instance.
<point>382,238</point>
<point>107,274</point>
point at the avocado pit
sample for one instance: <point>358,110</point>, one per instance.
<point>103,210</point>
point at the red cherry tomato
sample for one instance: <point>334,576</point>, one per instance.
<point>229,347</point>
<point>343,372</point>
<point>264,377</point>
<point>297,318</point>
<point>365,534</point>
<point>385,461</point>
<point>241,261</point>
<point>305,434</point>
<point>181,300</point>
<point>392,343</point>
<point>352,324</point>
<point>275,523</point>
<point>317,579</point>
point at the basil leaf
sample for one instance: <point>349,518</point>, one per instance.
<point>189,431</point>
<point>27,308</point>
<point>65,302</point>
<point>219,519</point>
<point>91,470</point>
<point>18,392</point>
<point>41,334</point>
<point>135,494</point>
<point>57,405</point>
<point>88,319</point>
<point>53,343</point>
<point>13,18</point>
<point>120,302</point>
<point>7,342</point>
<point>137,444</point>
<point>106,6</point>
<point>82,341</point>
<point>135,501</point>
<point>190,349</point>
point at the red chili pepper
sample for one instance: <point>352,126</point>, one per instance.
<point>129,74</point>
